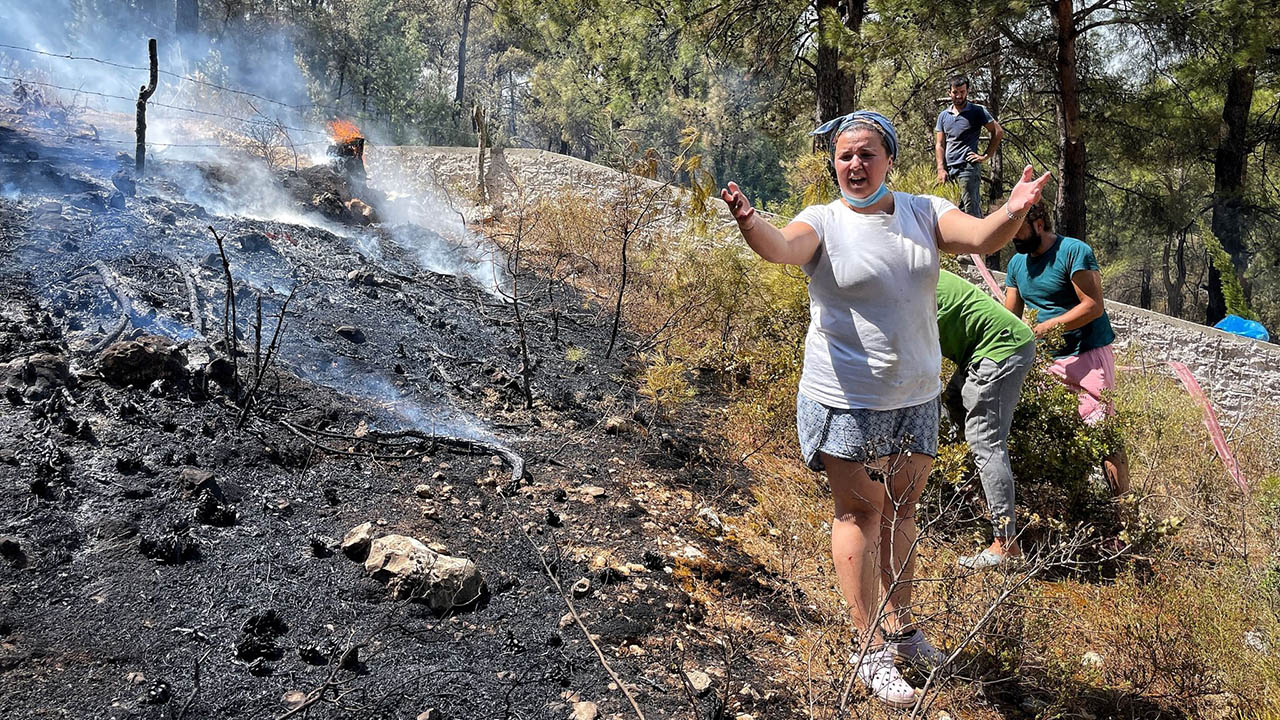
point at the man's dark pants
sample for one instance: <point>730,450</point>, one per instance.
<point>969,177</point>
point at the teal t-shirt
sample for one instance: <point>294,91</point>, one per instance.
<point>972,325</point>
<point>1044,282</point>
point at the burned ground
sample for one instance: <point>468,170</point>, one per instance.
<point>166,554</point>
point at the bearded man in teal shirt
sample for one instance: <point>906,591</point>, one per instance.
<point>1058,276</point>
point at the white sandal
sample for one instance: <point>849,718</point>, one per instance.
<point>917,650</point>
<point>878,673</point>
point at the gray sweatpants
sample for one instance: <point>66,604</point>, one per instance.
<point>980,400</point>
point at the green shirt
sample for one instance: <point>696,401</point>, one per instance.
<point>972,325</point>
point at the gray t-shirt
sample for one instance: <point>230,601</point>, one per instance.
<point>960,130</point>
<point>873,328</point>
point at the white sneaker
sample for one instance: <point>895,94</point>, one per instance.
<point>917,650</point>
<point>878,673</point>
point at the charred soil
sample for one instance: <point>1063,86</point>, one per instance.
<point>168,553</point>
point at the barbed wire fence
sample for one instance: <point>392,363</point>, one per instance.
<point>262,121</point>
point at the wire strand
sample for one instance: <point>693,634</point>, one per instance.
<point>252,121</point>
<point>188,78</point>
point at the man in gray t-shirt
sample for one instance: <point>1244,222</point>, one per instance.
<point>956,144</point>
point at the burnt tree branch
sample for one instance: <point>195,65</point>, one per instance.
<point>144,94</point>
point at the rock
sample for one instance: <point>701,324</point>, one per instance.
<point>584,711</point>
<point>1253,639</point>
<point>581,589</point>
<point>135,678</point>
<point>423,491</point>
<point>413,570</point>
<point>1091,659</point>
<point>48,208</point>
<point>361,212</point>
<point>293,699</point>
<point>124,183</point>
<point>699,681</point>
<point>195,481</point>
<point>591,492</point>
<point>355,544</point>
<point>362,277</point>
<point>616,425</point>
<point>116,201</point>
<point>169,217</point>
<point>88,201</point>
<point>36,377</point>
<point>712,520</point>
<point>330,205</point>
<point>253,242</point>
<point>350,332</point>
<point>430,714</point>
<point>142,361</point>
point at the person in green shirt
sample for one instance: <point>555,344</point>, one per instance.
<point>993,351</point>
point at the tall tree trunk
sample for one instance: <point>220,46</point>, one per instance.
<point>462,52</point>
<point>995,103</point>
<point>1174,283</point>
<point>837,90</point>
<point>187,17</point>
<point>1229,164</point>
<point>1071,157</point>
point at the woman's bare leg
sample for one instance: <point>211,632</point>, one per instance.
<point>905,478</point>
<point>855,539</point>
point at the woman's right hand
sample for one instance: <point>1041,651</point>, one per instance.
<point>739,207</point>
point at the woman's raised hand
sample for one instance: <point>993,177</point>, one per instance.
<point>1027,192</point>
<point>739,206</point>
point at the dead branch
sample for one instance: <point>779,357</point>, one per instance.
<point>546,569</point>
<point>261,365</point>
<point>229,330</point>
<point>193,299</point>
<point>195,686</point>
<point>468,445</point>
<point>144,94</point>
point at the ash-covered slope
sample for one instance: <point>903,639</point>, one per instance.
<point>167,553</point>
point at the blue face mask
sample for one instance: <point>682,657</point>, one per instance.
<point>868,201</point>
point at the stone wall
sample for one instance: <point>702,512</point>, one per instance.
<point>537,173</point>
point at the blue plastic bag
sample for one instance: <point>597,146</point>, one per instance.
<point>1248,328</point>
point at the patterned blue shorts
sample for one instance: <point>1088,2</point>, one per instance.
<point>864,435</point>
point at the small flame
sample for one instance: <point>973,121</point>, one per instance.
<point>344,131</point>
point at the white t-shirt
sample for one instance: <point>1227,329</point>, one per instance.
<point>873,307</point>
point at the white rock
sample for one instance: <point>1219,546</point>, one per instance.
<point>712,520</point>
<point>1091,659</point>
<point>413,570</point>
<point>699,681</point>
<point>355,544</point>
<point>584,711</point>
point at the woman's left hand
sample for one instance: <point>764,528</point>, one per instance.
<point>1027,192</point>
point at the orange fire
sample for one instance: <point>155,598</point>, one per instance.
<point>344,131</point>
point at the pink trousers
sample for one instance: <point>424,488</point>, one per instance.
<point>1089,374</point>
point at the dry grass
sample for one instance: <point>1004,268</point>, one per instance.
<point>1169,625</point>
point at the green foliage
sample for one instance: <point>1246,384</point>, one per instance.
<point>665,382</point>
<point>1232,292</point>
<point>1053,454</point>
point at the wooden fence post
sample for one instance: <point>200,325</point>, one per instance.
<point>144,94</point>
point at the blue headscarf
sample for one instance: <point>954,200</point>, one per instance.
<point>833,128</point>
